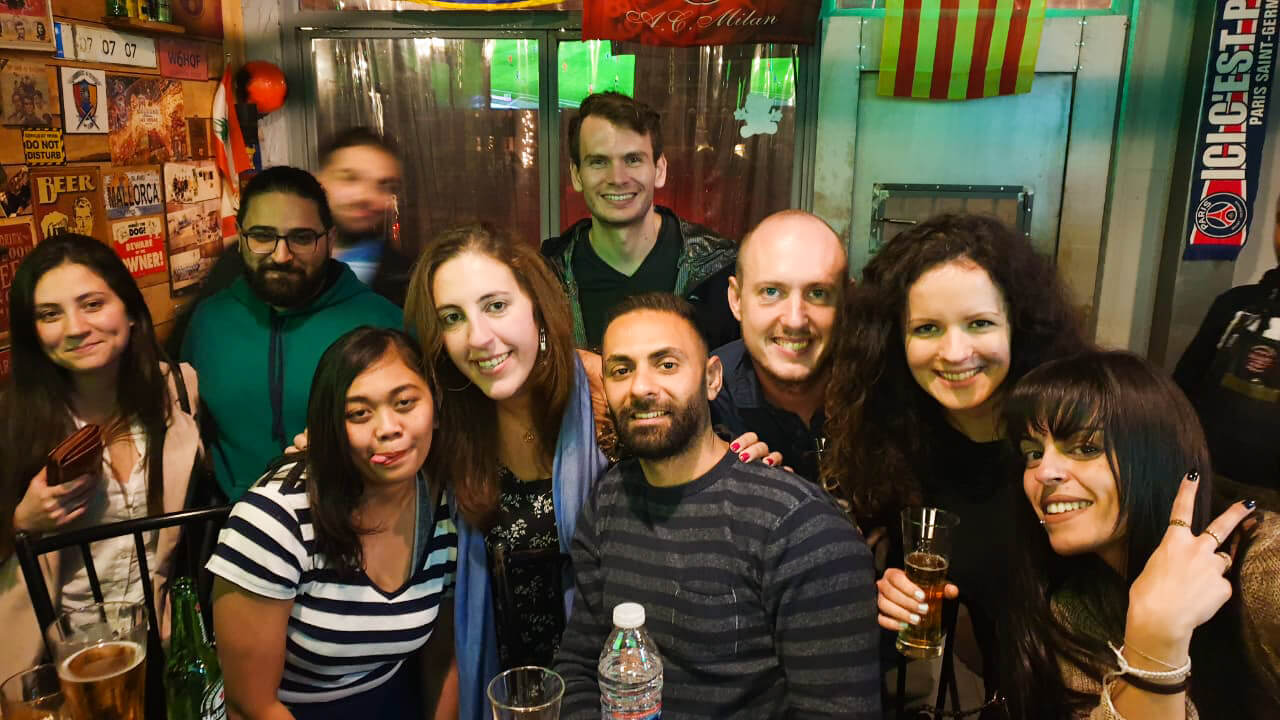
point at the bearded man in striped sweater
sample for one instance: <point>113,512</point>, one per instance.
<point>757,589</point>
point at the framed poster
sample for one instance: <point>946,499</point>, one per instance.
<point>130,192</point>
<point>27,25</point>
<point>140,243</point>
<point>195,242</point>
<point>84,100</point>
<point>69,200</point>
<point>191,182</point>
<point>25,96</point>
<point>145,116</point>
<point>15,190</point>
<point>17,238</point>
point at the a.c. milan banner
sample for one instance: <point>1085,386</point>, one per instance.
<point>1232,126</point>
<point>701,22</point>
<point>959,49</point>
<point>488,4</point>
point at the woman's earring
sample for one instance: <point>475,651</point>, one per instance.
<point>542,340</point>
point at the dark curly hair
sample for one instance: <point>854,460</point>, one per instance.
<point>878,417</point>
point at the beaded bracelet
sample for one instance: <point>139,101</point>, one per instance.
<point>1170,678</point>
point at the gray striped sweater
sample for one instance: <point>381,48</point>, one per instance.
<point>758,591</point>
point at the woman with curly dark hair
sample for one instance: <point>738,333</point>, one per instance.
<point>948,316</point>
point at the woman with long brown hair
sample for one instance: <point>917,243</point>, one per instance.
<point>948,316</point>
<point>528,434</point>
<point>85,351</point>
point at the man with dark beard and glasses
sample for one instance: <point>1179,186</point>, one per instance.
<point>786,291</point>
<point>256,344</point>
<point>757,590</point>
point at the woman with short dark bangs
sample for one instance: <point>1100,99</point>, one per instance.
<point>1124,580</point>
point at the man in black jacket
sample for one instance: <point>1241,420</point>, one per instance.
<point>629,245</point>
<point>1231,373</point>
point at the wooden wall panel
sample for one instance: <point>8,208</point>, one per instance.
<point>93,149</point>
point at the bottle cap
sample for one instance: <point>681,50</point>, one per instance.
<point>628,616</point>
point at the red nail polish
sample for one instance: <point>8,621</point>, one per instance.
<point>734,447</point>
<point>768,461</point>
<point>744,457</point>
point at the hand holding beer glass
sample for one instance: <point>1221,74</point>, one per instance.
<point>101,656</point>
<point>911,601</point>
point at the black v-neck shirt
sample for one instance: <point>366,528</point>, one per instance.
<point>600,287</point>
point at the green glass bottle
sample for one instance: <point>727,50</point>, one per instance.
<point>192,678</point>
<point>117,8</point>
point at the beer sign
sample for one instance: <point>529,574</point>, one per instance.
<point>130,192</point>
<point>140,243</point>
<point>69,200</point>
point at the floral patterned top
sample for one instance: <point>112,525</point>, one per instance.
<point>526,565</point>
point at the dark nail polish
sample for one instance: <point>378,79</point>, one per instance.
<point>1193,476</point>
<point>1251,504</point>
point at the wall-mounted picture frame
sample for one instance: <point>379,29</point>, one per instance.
<point>27,25</point>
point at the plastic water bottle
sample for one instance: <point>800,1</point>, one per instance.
<point>630,669</point>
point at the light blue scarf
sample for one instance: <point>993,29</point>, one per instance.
<point>578,463</point>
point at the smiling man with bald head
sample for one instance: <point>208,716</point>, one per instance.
<point>786,291</point>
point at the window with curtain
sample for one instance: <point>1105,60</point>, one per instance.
<point>715,176</point>
<point>465,114</point>
<point>468,154</point>
<point>1055,4</point>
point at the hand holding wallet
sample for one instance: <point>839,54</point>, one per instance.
<point>80,454</point>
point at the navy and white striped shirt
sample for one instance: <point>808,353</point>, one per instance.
<point>345,634</point>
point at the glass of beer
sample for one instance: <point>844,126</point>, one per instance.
<point>926,547</point>
<point>101,656</point>
<point>33,694</point>
<point>526,693</point>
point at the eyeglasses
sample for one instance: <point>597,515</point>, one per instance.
<point>263,241</point>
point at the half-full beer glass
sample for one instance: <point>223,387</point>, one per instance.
<point>101,654</point>
<point>926,547</point>
<point>33,694</point>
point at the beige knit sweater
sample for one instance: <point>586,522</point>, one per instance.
<point>1256,586</point>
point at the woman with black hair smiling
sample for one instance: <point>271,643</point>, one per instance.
<point>333,569</point>
<point>1123,580</point>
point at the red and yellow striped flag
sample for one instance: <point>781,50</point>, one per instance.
<point>960,49</point>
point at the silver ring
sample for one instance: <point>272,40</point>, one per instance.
<point>1227,558</point>
<point>1213,535</point>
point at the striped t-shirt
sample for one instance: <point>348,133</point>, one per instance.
<point>758,592</point>
<point>345,634</point>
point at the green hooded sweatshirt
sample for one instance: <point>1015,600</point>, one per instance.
<point>255,366</point>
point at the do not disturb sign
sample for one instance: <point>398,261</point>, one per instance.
<point>43,146</point>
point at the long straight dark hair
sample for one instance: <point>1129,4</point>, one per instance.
<point>467,417</point>
<point>335,486</point>
<point>1151,438</point>
<point>37,401</point>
